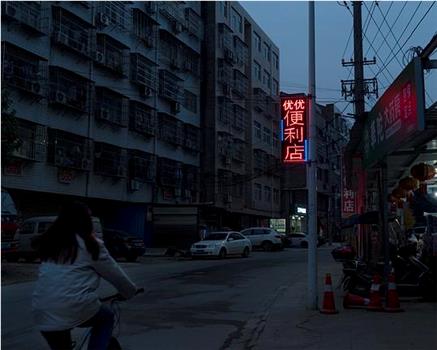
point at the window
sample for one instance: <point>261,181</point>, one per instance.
<point>266,79</point>
<point>257,70</point>
<point>190,101</point>
<point>257,191</point>
<point>257,129</point>
<point>276,195</point>
<point>275,60</point>
<point>267,193</point>
<point>236,21</point>
<point>267,136</point>
<point>257,41</point>
<point>266,51</point>
<point>275,87</point>
<point>224,8</point>
<point>275,139</point>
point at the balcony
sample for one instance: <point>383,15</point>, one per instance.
<point>193,22</point>
<point>142,166</point>
<point>240,117</point>
<point>169,172</point>
<point>143,73</point>
<point>225,41</point>
<point>24,71</point>
<point>260,160</point>
<point>241,53</point>
<point>32,141</point>
<point>225,110</point>
<point>259,99</point>
<point>170,129</point>
<point>240,83</point>
<point>225,75</point>
<point>144,26</point>
<point>111,107</point>
<point>190,177</point>
<point>192,138</point>
<point>238,151</point>
<point>109,160</point>
<point>169,86</point>
<point>115,14</point>
<point>27,13</point>
<point>112,55</point>
<point>174,12</point>
<point>66,150</point>
<point>68,89</point>
<point>142,119</point>
<point>71,32</point>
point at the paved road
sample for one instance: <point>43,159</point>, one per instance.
<point>209,304</point>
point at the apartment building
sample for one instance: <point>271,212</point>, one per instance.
<point>332,135</point>
<point>107,101</point>
<point>241,150</point>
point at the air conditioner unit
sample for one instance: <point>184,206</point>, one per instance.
<point>176,107</point>
<point>99,57</point>
<point>147,92</point>
<point>103,19</point>
<point>11,11</point>
<point>134,185</point>
<point>177,27</point>
<point>228,198</point>
<point>177,192</point>
<point>60,97</point>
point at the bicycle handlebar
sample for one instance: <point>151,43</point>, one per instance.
<point>119,297</point>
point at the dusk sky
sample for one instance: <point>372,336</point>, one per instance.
<point>287,25</point>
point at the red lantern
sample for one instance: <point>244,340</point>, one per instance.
<point>409,183</point>
<point>423,171</point>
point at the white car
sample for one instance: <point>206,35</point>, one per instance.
<point>299,239</point>
<point>264,237</point>
<point>35,226</point>
<point>221,244</point>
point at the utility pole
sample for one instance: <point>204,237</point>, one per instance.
<point>358,57</point>
<point>311,168</point>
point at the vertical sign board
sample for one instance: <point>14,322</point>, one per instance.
<point>397,115</point>
<point>348,196</point>
<point>294,129</point>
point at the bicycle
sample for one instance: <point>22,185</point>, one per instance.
<point>114,344</point>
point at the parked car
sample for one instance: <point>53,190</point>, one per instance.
<point>121,244</point>
<point>222,244</point>
<point>35,226</point>
<point>9,227</point>
<point>264,237</point>
<point>300,239</point>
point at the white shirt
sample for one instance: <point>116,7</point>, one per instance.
<point>65,294</point>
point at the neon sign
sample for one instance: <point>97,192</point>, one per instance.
<point>293,129</point>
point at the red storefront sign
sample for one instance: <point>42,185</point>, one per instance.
<point>349,202</point>
<point>294,129</point>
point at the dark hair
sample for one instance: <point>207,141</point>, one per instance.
<point>59,242</point>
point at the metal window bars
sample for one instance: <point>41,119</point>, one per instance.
<point>193,22</point>
<point>169,172</point>
<point>114,13</point>
<point>171,130</point>
<point>142,166</point>
<point>190,177</point>
<point>259,99</point>
<point>32,141</point>
<point>240,117</point>
<point>241,52</point>
<point>27,13</point>
<point>169,86</point>
<point>192,137</point>
<point>143,71</point>
<point>109,160</point>
<point>112,55</point>
<point>111,107</point>
<point>240,83</point>
<point>225,110</point>
<point>144,27</point>
<point>142,118</point>
<point>174,12</point>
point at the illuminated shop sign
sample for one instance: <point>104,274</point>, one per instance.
<point>294,129</point>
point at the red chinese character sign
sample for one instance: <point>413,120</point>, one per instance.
<point>294,129</point>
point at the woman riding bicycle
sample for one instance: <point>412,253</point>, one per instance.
<point>72,262</point>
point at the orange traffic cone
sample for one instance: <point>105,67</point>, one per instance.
<point>375,303</point>
<point>328,297</point>
<point>392,304</point>
<point>352,301</point>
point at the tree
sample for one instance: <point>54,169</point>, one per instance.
<point>10,139</point>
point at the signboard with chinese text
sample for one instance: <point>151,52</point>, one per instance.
<point>348,202</point>
<point>397,115</point>
<point>294,129</point>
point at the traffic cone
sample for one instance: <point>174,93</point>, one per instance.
<point>353,301</point>
<point>328,297</point>
<point>375,302</point>
<point>392,303</point>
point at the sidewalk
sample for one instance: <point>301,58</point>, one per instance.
<point>288,325</point>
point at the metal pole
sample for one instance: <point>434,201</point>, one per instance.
<point>358,58</point>
<point>311,168</point>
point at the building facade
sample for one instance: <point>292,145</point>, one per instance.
<point>126,105</point>
<point>240,159</point>
<point>332,135</point>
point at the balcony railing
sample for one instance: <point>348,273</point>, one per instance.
<point>142,119</point>
<point>240,83</point>
<point>173,11</point>
<point>193,22</point>
<point>144,27</point>
<point>171,130</point>
<point>225,110</point>
<point>190,177</point>
<point>142,166</point>
<point>27,13</point>
<point>113,13</point>
<point>169,86</point>
<point>169,172</point>
<point>112,55</point>
<point>240,117</point>
<point>69,90</point>
<point>259,99</point>
<point>143,71</point>
<point>238,149</point>
<point>33,140</point>
<point>192,137</point>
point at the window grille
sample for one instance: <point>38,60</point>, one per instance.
<point>108,160</point>
<point>225,109</point>
<point>240,116</point>
<point>143,71</point>
<point>259,99</point>
<point>143,27</point>
<point>238,150</point>
<point>224,181</point>
<point>192,137</point>
<point>27,13</point>
<point>224,72</point>
<point>225,37</point>
<point>259,160</point>
<point>117,13</point>
<point>141,166</point>
<point>112,54</point>
<point>169,172</point>
<point>190,179</point>
<point>237,185</point>
<point>241,52</point>
<point>142,118</point>
<point>194,22</point>
<point>69,89</point>
<point>173,11</point>
<point>24,71</point>
<point>33,138</point>
<point>171,129</point>
<point>70,31</point>
<point>240,83</point>
<point>68,150</point>
<point>169,86</point>
<point>190,101</point>
<point>111,107</point>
